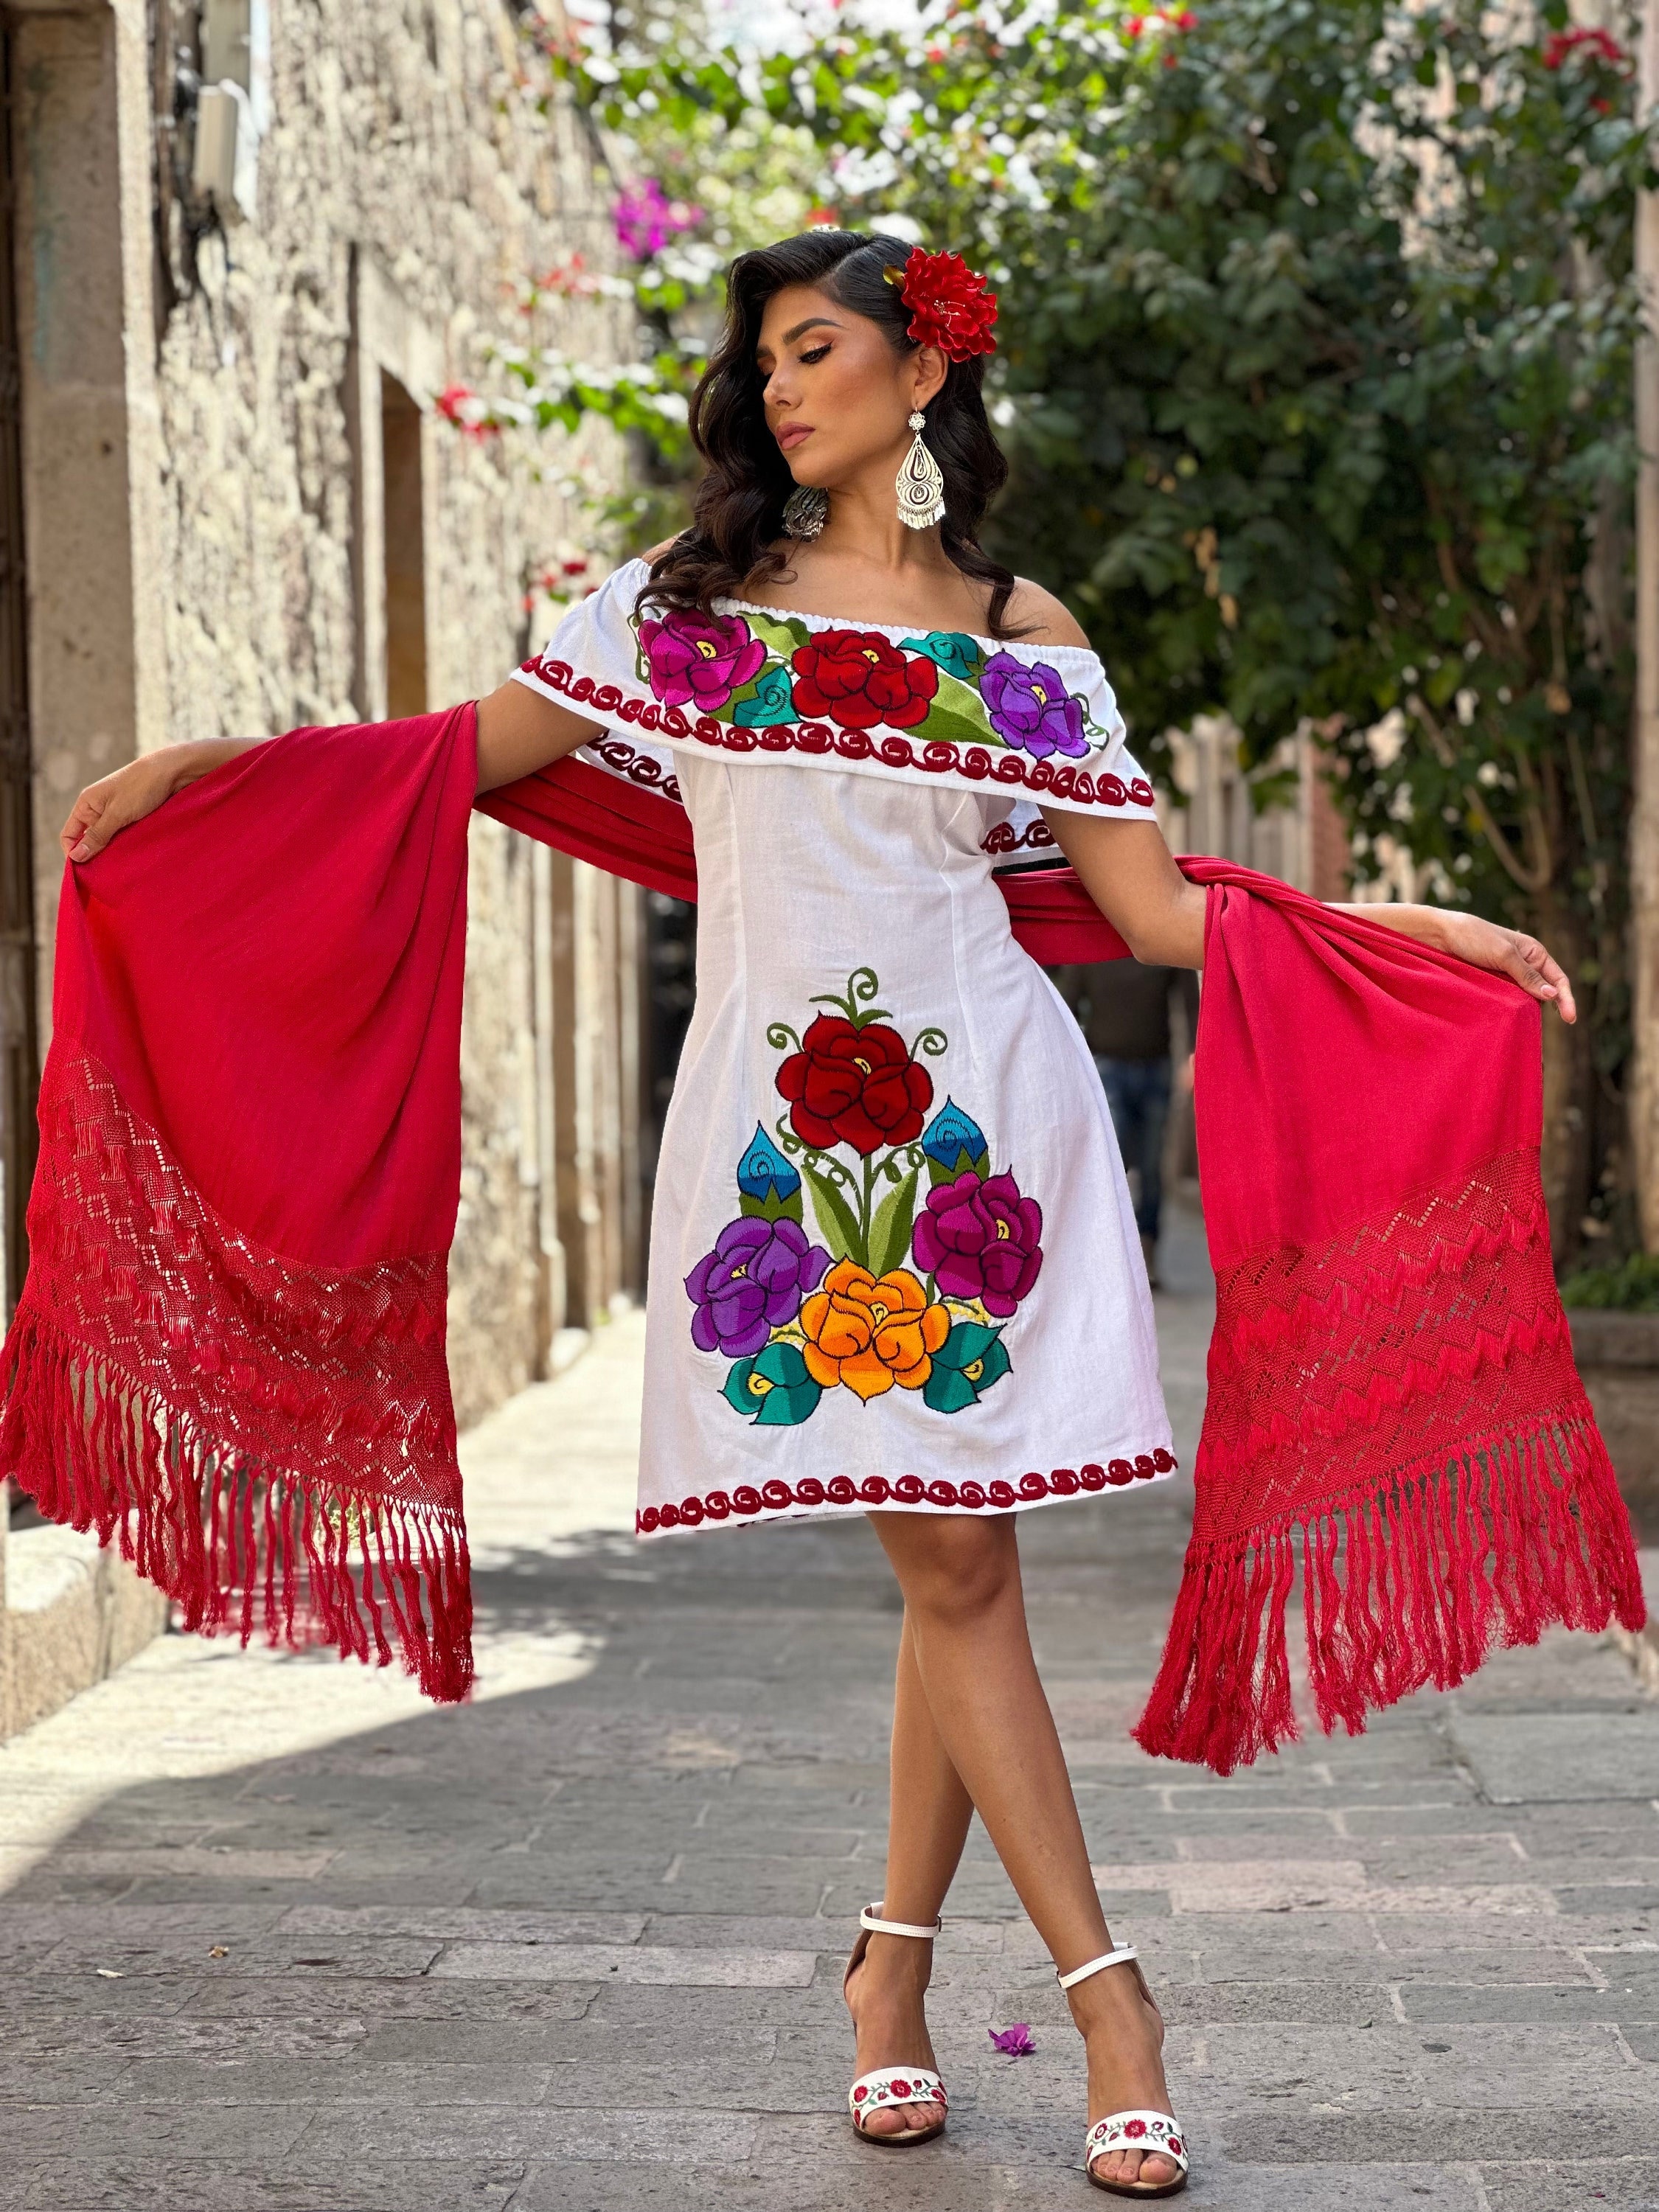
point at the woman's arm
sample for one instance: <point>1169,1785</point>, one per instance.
<point>117,801</point>
<point>1127,871</point>
<point>1509,953</point>
<point>518,732</point>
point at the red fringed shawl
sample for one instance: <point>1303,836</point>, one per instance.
<point>229,1351</point>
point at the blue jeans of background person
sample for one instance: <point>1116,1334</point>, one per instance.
<point>1138,1093</point>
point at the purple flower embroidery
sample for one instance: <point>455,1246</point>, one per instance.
<point>1029,708</point>
<point>1013,2042</point>
<point>700,660</point>
<point>752,1283</point>
<point>979,1240</point>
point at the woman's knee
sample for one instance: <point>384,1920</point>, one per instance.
<point>951,1570</point>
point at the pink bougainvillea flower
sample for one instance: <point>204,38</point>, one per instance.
<point>469,410</point>
<point>647,218</point>
<point>1013,2042</point>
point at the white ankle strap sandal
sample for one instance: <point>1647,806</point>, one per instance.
<point>1150,2133</point>
<point>892,2085</point>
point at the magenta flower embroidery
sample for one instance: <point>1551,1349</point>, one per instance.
<point>752,1283</point>
<point>1013,2042</point>
<point>700,660</point>
<point>980,1240</point>
<point>1029,708</point>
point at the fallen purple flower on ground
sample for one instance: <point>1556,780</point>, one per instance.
<point>1013,2042</point>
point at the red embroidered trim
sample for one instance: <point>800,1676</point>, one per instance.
<point>776,1497</point>
<point>1003,837</point>
<point>639,768</point>
<point>938,757</point>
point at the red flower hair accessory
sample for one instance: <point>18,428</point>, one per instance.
<point>950,307</point>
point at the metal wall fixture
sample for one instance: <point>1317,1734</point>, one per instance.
<point>232,109</point>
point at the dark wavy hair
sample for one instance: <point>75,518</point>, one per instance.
<point>738,512</point>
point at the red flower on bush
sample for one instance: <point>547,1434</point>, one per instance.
<point>848,1085</point>
<point>950,307</point>
<point>858,677</point>
<point>1562,43</point>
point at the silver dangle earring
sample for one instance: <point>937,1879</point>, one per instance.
<point>806,512</point>
<point>920,484</point>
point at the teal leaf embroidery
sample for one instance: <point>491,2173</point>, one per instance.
<point>971,1358</point>
<point>772,701</point>
<point>773,1388</point>
<point>952,650</point>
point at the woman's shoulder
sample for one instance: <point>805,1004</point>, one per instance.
<point>1037,617</point>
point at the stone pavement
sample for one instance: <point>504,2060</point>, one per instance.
<point>273,1936</point>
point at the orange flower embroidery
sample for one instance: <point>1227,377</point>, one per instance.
<point>870,1335</point>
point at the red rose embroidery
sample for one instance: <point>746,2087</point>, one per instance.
<point>858,678</point>
<point>1134,2128</point>
<point>854,1086</point>
<point>900,2089</point>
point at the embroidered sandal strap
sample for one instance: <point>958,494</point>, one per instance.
<point>1153,2134</point>
<point>894,2085</point>
<point>1122,1957</point>
<point>871,1918</point>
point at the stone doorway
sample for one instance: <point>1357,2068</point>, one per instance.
<point>19,1021</point>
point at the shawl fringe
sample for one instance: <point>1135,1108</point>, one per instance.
<point>238,1547</point>
<point>1405,1584</point>
<point>1424,1360</point>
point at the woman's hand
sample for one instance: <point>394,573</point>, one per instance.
<point>1509,953</point>
<point>116,802</point>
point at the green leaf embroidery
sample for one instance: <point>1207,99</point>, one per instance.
<point>958,716</point>
<point>772,1207</point>
<point>937,1172</point>
<point>890,1232</point>
<point>782,635</point>
<point>837,1224</point>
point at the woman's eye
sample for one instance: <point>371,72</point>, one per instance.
<point>816,355</point>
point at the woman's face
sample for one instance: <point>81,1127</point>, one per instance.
<point>838,391</point>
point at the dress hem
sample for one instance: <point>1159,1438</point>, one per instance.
<point>779,1501</point>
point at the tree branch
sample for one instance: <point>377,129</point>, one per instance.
<point>1531,880</point>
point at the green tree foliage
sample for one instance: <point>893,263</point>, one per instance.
<point>1317,319</point>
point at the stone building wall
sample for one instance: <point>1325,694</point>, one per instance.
<point>244,511</point>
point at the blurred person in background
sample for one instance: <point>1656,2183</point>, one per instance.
<point>1124,1009</point>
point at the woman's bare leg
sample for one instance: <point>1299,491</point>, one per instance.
<point>927,1825</point>
<point>965,1617</point>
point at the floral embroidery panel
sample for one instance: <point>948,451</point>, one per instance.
<point>758,670</point>
<point>903,1291</point>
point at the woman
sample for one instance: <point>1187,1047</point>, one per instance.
<point>884,1232</point>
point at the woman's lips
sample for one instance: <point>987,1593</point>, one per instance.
<point>792,434</point>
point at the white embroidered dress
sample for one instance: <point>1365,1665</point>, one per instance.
<point>893,1261</point>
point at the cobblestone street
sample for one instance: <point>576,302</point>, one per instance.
<point>274,1934</point>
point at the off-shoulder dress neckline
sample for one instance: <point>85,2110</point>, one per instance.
<point>898,630</point>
